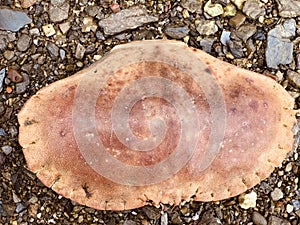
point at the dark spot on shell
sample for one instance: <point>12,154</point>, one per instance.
<point>250,81</point>
<point>87,193</point>
<point>71,88</point>
<point>62,133</point>
<point>233,110</point>
<point>235,92</point>
<point>207,70</point>
<point>254,105</point>
<point>29,122</point>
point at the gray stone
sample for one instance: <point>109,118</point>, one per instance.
<point>2,161</point>
<point>237,20</point>
<point>24,42</point>
<point>80,50</point>
<point>126,19</point>
<point>8,54</point>
<point>2,108</point>
<point>206,27</point>
<point>210,218</point>
<point>59,10</point>
<point>225,37</point>
<point>279,47</point>
<point>296,204</point>
<point>278,221</point>
<point>288,8</point>
<point>278,52</point>
<point>277,194</point>
<point>2,132</point>
<point>13,20</point>
<point>20,207</point>
<point>192,5</point>
<point>53,49</point>
<point>100,36</point>
<point>206,44</point>
<point>62,54</point>
<point>6,149</point>
<point>245,31</point>
<point>258,219</point>
<point>93,10</point>
<point>2,76</point>
<point>177,32</point>
<point>236,46</point>
<point>298,61</point>
<point>13,131</point>
<point>129,222</point>
<point>253,9</point>
<point>293,77</point>
<point>21,87</point>
<point>5,38</point>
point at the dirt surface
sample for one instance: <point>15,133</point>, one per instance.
<point>66,36</point>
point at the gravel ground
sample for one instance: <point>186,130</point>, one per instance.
<point>54,39</point>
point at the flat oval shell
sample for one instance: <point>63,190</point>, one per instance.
<point>156,121</point>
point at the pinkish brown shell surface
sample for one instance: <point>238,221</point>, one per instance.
<point>159,121</point>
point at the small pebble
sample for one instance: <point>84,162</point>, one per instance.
<point>239,3</point>
<point>6,149</point>
<point>225,37</point>
<point>289,8</point>
<point>48,30</point>
<point>213,9</point>
<point>64,27</point>
<point>126,19</point>
<point>53,50</point>
<point>20,207</point>
<point>274,220</point>
<point>247,201</point>
<point>206,27</point>
<point>164,219</point>
<point>24,42</point>
<point>293,77</point>
<point>237,20</point>
<point>192,5</point>
<point>2,76</point>
<point>289,208</point>
<point>14,75</point>
<point>258,219</point>
<point>277,194</point>
<point>177,32</point>
<point>253,9</point>
<point>8,54</point>
<point>21,87</point>
<point>80,50</point>
<point>296,204</point>
<point>229,10</point>
<point>58,10</point>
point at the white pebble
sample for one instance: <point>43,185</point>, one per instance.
<point>248,200</point>
<point>276,194</point>
<point>289,208</point>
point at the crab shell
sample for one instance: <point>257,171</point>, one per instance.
<point>251,119</point>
